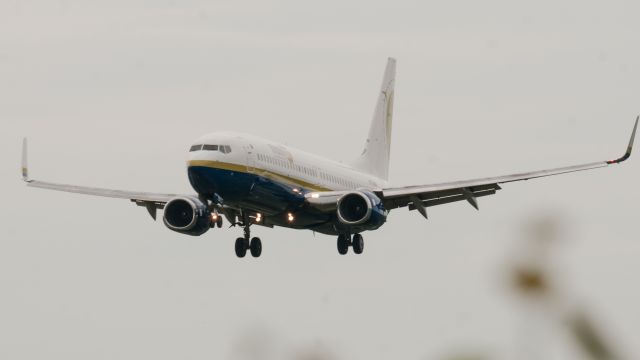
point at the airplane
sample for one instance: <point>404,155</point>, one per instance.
<point>253,181</point>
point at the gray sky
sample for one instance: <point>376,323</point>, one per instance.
<point>110,93</point>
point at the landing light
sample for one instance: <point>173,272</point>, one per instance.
<point>315,195</point>
<point>258,217</point>
<point>214,216</point>
<point>290,217</point>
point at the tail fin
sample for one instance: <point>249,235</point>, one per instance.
<point>375,157</point>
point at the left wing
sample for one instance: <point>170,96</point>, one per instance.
<point>152,201</point>
<point>421,197</point>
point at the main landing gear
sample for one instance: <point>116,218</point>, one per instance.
<point>216,220</point>
<point>345,240</point>
<point>243,244</point>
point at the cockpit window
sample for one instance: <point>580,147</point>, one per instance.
<point>225,149</point>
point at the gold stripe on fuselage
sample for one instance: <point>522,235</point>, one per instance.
<point>257,171</point>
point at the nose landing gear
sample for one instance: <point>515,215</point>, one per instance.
<point>216,220</point>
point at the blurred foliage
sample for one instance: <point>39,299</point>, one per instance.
<point>589,338</point>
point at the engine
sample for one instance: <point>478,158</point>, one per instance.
<point>187,215</point>
<point>361,210</point>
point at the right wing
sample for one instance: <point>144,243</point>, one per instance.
<point>152,201</point>
<point>421,197</point>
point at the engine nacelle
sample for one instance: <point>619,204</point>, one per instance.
<point>187,215</point>
<point>361,210</point>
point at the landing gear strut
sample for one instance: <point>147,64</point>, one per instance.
<point>346,240</point>
<point>254,245</point>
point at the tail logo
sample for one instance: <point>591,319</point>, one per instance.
<point>389,118</point>
<point>388,102</point>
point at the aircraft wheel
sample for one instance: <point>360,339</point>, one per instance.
<point>219,221</point>
<point>343,244</point>
<point>358,244</point>
<point>256,247</point>
<point>241,247</point>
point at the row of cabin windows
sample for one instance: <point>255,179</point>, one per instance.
<point>225,149</point>
<point>306,170</point>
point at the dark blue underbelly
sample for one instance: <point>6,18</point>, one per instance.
<point>244,190</point>
<point>257,193</point>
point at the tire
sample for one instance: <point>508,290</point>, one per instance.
<point>241,248</point>
<point>343,244</point>
<point>358,244</point>
<point>256,247</point>
<point>219,221</point>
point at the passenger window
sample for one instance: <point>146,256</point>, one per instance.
<point>195,148</point>
<point>210,147</point>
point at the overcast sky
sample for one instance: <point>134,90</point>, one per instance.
<point>111,93</point>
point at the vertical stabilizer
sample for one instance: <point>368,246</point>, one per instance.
<point>375,156</point>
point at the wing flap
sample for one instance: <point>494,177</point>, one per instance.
<point>432,198</point>
<point>451,199</point>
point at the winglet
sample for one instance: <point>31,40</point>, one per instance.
<point>627,154</point>
<point>25,167</point>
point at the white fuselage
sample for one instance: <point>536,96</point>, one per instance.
<point>280,163</point>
